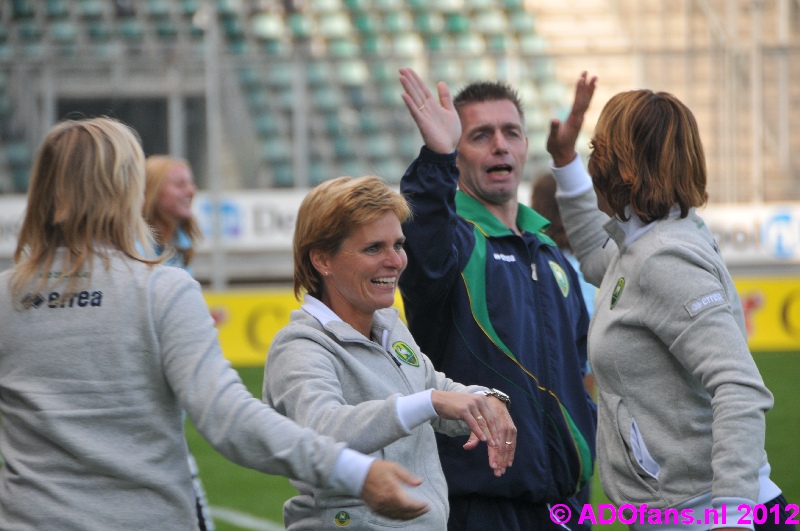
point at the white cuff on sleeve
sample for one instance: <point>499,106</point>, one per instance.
<point>416,409</point>
<point>572,179</point>
<point>350,472</point>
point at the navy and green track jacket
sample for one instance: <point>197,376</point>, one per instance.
<point>493,308</point>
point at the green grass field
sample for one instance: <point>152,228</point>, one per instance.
<point>251,494</point>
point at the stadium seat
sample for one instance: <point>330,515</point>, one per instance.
<point>56,8</point>
<point>353,72</point>
<point>399,21</point>
<point>301,25</point>
<point>267,25</point>
<point>91,8</point>
<point>334,24</point>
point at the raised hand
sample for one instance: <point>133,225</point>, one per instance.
<point>438,121</point>
<point>562,138</point>
<point>489,420</point>
<point>384,491</point>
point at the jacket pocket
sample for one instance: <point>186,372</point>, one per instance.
<point>628,472</point>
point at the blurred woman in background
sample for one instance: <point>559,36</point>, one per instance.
<point>168,199</point>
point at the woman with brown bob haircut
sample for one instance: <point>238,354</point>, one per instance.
<point>681,404</point>
<point>347,366</point>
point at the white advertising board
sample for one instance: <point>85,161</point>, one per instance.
<point>263,221</point>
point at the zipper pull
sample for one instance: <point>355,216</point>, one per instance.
<point>534,276</point>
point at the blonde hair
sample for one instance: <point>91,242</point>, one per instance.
<point>330,213</point>
<point>157,168</point>
<point>86,193</point>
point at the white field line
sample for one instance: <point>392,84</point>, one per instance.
<point>244,520</point>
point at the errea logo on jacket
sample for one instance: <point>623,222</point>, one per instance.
<point>505,257</point>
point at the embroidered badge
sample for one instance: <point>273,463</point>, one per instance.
<point>405,353</point>
<point>705,302</point>
<point>617,291</point>
<point>561,278</point>
<point>341,519</point>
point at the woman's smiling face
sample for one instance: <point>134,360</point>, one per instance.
<point>361,276</point>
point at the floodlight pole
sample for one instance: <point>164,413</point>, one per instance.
<point>214,139</point>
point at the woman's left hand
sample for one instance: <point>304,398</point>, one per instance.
<point>489,420</point>
<point>502,449</point>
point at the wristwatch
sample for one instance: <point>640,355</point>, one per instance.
<point>499,395</point>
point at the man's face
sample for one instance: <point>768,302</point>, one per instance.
<point>492,151</point>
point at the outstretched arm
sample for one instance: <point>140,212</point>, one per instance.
<point>438,121</point>
<point>562,138</point>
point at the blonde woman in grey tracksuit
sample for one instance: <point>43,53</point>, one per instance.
<point>347,366</point>
<point>681,403</point>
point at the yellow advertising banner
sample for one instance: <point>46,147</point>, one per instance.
<point>248,320</point>
<point>772,312</point>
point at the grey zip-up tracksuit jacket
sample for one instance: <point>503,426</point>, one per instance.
<point>333,379</point>
<point>91,396</point>
<point>681,402</point>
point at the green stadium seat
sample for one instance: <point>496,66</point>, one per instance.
<point>190,7</point>
<point>275,148</point>
<point>456,22</point>
<point>445,69</point>
<point>522,21</point>
<point>279,74</point>
<point>165,29</point>
<point>319,73</point>
<point>502,43</point>
<point>532,43</point>
<point>277,47</point>
<point>343,47</point>
<point>22,9</point>
<point>326,97</point>
<point>249,77</point>
<point>300,25</point>
<point>379,146</point>
<point>398,22</point>
<point>479,4</point>
<point>228,7</point>
<point>325,6</point>
<point>319,171</point>
<point>343,147</point>
<point>56,8</point>
<point>440,42</point>
<point>470,43</point>
<point>257,99</point>
<point>266,124</point>
<point>91,8</point>
<point>29,30</point>
<point>282,174</point>
<point>131,29</point>
<point>429,22</point>
<point>479,68</point>
<point>388,5</point>
<point>376,45</point>
<point>358,5</point>
<point>371,120</point>
<point>63,31</point>
<point>490,21</point>
<point>98,30</point>
<point>367,23</point>
<point>158,8</point>
<point>351,167</point>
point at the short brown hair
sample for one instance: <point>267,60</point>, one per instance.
<point>330,213</point>
<point>647,153</point>
<point>480,91</point>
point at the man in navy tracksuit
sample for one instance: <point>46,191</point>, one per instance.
<point>492,301</point>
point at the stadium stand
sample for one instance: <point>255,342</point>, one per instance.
<point>310,87</point>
